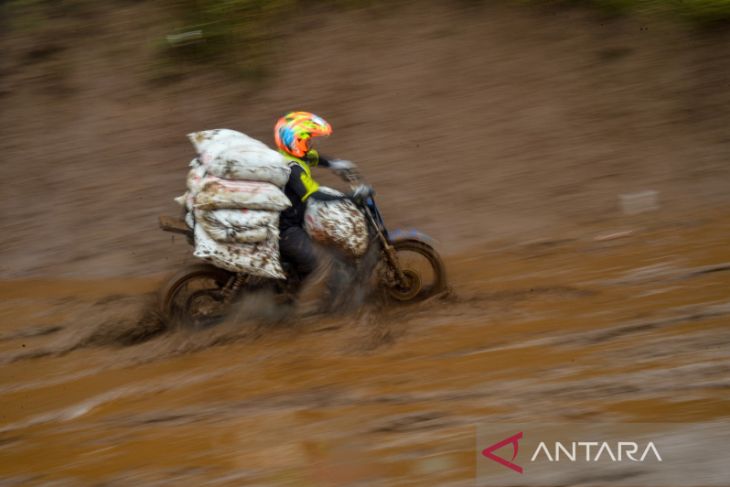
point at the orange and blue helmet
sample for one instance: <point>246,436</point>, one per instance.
<point>294,131</point>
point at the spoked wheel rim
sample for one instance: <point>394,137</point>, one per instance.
<point>202,308</point>
<point>193,298</point>
<point>408,288</point>
<point>423,271</point>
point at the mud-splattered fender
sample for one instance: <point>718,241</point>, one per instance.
<point>399,234</point>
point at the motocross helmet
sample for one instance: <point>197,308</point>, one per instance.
<point>294,131</point>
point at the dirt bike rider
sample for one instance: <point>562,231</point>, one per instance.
<point>293,134</point>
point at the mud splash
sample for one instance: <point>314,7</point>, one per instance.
<point>93,391</point>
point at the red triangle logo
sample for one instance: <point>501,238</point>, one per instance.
<point>514,439</point>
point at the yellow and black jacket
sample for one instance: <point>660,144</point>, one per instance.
<point>300,187</point>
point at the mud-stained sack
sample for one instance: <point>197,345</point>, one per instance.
<point>337,223</point>
<point>196,177</point>
<point>230,154</point>
<point>231,235</point>
<point>240,218</point>
<point>250,162</point>
<point>209,143</point>
<point>256,259</point>
<point>225,194</point>
<point>239,226</point>
<point>195,181</point>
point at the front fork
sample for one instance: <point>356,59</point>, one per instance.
<point>354,179</point>
<point>391,256</point>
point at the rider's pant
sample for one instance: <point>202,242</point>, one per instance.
<point>297,248</point>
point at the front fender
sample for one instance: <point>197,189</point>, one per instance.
<point>399,234</point>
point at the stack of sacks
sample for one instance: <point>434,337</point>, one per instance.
<point>234,199</point>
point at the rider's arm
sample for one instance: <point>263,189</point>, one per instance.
<point>314,158</point>
<point>301,185</point>
<point>323,161</point>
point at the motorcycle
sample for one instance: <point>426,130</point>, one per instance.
<point>406,268</point>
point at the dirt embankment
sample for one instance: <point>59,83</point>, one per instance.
<point>473,123</point>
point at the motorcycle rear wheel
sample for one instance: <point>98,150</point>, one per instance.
<point>193,296</point>
<point>422,281</point>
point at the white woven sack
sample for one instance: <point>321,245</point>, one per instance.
<point>231,236</point>
<point>239,226</point>
<point>225,194</point>
<point>241,218</point>
<point>195,182</point>
<point>256,259</point>
<point>337,223</point>
<point>213,141</point>
<point>196,177</point>
<point>210,144</point>
<point>250,162</point>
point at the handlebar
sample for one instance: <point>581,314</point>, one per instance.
<point>351,176</point>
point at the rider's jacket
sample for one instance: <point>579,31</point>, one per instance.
<point>300,187</point>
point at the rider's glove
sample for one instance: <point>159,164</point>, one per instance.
<point>362,193</point>
<point>344,169</point>
<point>342,165</point>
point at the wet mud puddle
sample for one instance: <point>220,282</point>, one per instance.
<point>626,329</point>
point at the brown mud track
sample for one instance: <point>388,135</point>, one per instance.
<point>590,330</point>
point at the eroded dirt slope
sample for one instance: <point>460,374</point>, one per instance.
<point>472,123</point>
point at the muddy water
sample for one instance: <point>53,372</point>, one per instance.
<point>631,327</point>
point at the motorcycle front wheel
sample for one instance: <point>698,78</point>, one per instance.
<point>424,273</point>
<point>193,297</point>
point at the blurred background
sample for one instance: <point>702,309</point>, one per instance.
<point>570,158</point>
<point>472,119</point>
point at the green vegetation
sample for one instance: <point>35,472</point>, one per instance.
<point>704,11</point>
<point>226,22</point>
<point>232,34</point>
<point>699,12</point>
<point>238,36</point>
